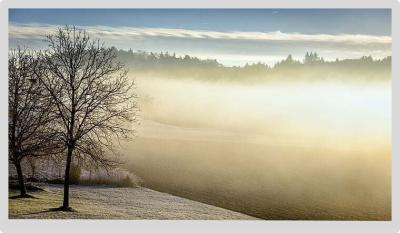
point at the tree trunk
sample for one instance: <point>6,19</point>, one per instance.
<point>66,178</point>
<point>33,168</point>
<point>90,174</point>
<point>21,182</point>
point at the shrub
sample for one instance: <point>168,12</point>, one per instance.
<point>116,179</point>
<point>127,182</point>
<point>55,181</point>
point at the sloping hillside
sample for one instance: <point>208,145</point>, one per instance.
<point>116,203</point>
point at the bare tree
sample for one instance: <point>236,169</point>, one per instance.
<point>57,162</point>
<point>95,101</point>
<point>33,166</point>
<point>29,111</point>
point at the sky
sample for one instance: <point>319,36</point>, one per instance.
<point>232,36</point>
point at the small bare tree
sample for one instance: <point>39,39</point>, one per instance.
<point>33,166</point>
<point>30,113</point>
<point>95,101</point>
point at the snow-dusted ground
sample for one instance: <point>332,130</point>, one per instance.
<point>116,203</point>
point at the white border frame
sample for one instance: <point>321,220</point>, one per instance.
<point>176,226</point>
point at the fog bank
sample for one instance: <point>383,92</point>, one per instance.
<point>278,151</point>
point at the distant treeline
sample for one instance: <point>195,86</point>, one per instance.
<point>311,67</point>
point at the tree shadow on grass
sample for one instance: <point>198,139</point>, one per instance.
<point>58,209</point>
<point>23,196</point>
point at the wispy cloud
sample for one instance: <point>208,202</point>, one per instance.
<point>37,31</point>
<point>229,48</point>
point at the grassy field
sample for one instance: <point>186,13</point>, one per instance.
<point>114,203</point>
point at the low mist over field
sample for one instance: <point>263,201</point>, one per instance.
<point>276,150</point>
